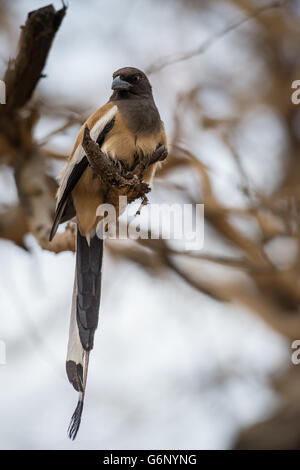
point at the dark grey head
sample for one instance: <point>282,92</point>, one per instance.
<point>130,82</point>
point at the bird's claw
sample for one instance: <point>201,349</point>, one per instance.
<point>161,152</point>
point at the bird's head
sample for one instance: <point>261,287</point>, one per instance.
<point>130,81</point>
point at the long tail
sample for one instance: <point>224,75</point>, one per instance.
<point>84,318</point>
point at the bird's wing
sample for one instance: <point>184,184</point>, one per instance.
<point>99,125</point>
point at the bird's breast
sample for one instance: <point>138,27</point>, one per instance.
<point>121,143</point>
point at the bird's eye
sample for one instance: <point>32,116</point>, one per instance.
<point>137,78</point>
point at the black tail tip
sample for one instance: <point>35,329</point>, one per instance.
<point>75,421</point>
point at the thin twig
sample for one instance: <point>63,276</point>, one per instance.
<point>183,56</point>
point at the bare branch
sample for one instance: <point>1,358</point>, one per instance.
<point>13,224</point>
<point>24,72</point>
<point>183,56</point>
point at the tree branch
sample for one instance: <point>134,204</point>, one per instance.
<point>172,59</point>
<point>24,72</point>
<point>35,189</point>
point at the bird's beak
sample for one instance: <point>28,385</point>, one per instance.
<point>119,84</point>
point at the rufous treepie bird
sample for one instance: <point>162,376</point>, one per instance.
<point>127,125</point>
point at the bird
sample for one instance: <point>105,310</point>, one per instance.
<point>128,125</point>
